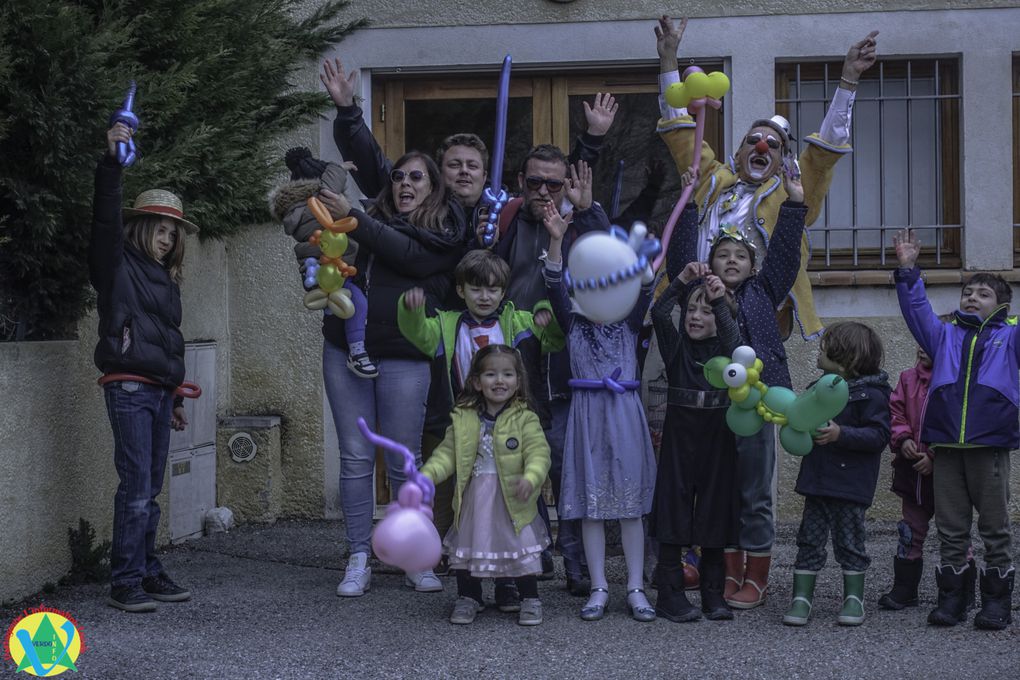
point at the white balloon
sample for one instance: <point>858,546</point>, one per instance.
<point>734,375</point>
<point>744,356</point>
<point>598,255</point>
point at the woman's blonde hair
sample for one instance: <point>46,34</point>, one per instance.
<point>140,232</point>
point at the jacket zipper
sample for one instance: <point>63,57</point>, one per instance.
<point>966,384</point>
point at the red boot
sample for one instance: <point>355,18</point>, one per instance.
<point>735,561</point>
<point>756,582</point>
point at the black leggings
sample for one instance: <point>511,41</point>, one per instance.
<point>471,586</point>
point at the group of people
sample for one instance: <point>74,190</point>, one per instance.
<point>476,357</point>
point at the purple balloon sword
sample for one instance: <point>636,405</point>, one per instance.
<point>127,154</point>
<point>494,195</point>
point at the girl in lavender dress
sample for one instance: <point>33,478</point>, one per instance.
<point>608,461</point>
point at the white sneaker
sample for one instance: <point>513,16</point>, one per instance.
<point>424,582</point>
<point>357,578</point>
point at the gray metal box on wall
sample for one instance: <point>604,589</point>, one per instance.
<point>192,462</point>
<point>249,467</point>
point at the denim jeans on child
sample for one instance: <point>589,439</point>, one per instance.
<point>140,418</point>
<point>393,404</point>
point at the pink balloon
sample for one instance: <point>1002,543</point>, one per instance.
<point>406,537</point>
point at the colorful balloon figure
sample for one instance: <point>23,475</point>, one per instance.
<point>698,90</point>
<point>754,403</point>
<point>127,153</point>
<point>325,277</point>
<point>406,538</point>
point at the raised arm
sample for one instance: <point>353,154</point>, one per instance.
<point>599,115</point>
<point>666,334</point>
<point>923,322</point>
<point>726,327</point>
<point>422,331</point>
<point>556,287</point>
<point>106,244</point>
<point>683,247</point>
<point>782,261</point>
<point>352,137</point>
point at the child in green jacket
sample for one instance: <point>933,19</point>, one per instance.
<point>497,452</point>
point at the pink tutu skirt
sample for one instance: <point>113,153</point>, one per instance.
<point>485,543</point>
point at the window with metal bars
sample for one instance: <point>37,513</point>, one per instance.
<point>905,167</point>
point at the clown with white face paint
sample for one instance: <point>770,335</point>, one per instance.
<point>608,461</point>
<point>746,190</point>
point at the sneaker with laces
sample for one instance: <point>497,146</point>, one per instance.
<point>362,366</point>
<point>161,587</point>
<point>531,612</point>
<point>508,599</point>
<point>357,578</point>
<point>131,599</point>
<point>424,582</point>
<point>465,609</point>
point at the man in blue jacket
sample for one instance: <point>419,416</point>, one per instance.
<point>970,423</point>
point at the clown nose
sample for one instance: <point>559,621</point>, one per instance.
<point>761,147</point>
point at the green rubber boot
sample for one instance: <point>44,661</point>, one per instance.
<point>852,613</point>
<point>803,591</point>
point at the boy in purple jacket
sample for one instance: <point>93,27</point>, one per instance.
<point>971,425</point>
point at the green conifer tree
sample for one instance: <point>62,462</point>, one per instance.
<point>215,93</point>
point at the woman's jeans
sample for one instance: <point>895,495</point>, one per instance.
<point>393,404</point>
<point>140,418</point>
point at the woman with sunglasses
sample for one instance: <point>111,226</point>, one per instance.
<point>412,235</point>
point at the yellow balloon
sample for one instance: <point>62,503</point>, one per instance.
<point>752,376</point>
<point>332,245</point>
<point>329,278</point>
<point>676,96</point>
<point>696,85</point>
<point>718,84</point>
<point>759,366</point>
<point>341,304</point>
<point>767,416</point>
<point>739,393</point>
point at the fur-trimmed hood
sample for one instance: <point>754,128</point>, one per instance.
<point>287,203</point>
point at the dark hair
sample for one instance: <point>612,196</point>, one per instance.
<point>854,346</point>
<point>702,291</point>
<point>1003,293</point>
<point>544,152</point>
<point>751,254</point>
<point>470,397</point>
<point>468,139</point>
<point>482,268</point>
<point>302,164</point>
<point>431,214</point>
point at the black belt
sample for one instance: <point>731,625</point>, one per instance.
<point>679,396</point>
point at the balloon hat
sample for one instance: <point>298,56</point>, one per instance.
<point>755,403</point>
<point>324,277</point>
<point>406,537</point>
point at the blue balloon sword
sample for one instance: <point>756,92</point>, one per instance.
<point>494,195</point>
<point>126,151</point>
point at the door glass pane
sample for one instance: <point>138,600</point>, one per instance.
<point>427,122</point>
<point>651,183</point>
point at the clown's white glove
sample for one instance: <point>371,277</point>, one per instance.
<point>638,234</point>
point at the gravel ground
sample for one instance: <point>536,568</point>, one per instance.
<point>264,606</point>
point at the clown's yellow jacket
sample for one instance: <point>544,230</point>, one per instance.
<point>816,165</point>
<point>519,446</point>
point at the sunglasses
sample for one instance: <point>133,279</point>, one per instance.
<point>751,140</point>
<point>415,175</point>
<point>535,183</point>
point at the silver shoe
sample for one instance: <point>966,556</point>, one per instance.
<point>465,609</point>
<point>595,612</point>
<point>643,613</point>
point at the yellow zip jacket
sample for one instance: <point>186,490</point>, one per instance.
<point>519,447</point>
<point>817,161</point>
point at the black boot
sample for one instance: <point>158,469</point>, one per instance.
<point>952,608</point>
<point>713,580</point>
<point>672,603</point>
<point>969,585</point>
<point>906,578</point>
<point>996,598</point>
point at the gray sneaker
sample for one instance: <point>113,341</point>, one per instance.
<point>531,612</point>
<point>464,610</point>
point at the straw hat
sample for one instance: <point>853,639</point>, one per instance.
<point>161,202</point>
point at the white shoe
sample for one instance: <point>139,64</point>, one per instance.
<point>357,578</point>
<point>424,582</point>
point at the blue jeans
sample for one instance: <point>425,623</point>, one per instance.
<point>568,540</point>
<point>393,405</point>
<point>756,465</point>
<point>140,418</point>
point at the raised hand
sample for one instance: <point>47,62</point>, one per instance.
<point>414,299</point>
<point>715,287</point>
<point>118,133</point>
<point>542,318</point>
<point>600,114</point>
<point>791,182</point>
<point>579,186</point>
<point>667,40</point>
<point>689,177</point>
<point>693,271</point>
<point>554,222</point>
<point>908,247</point>
<point>337,204</point>
<point>339,84</point>
<point>860,57</point>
